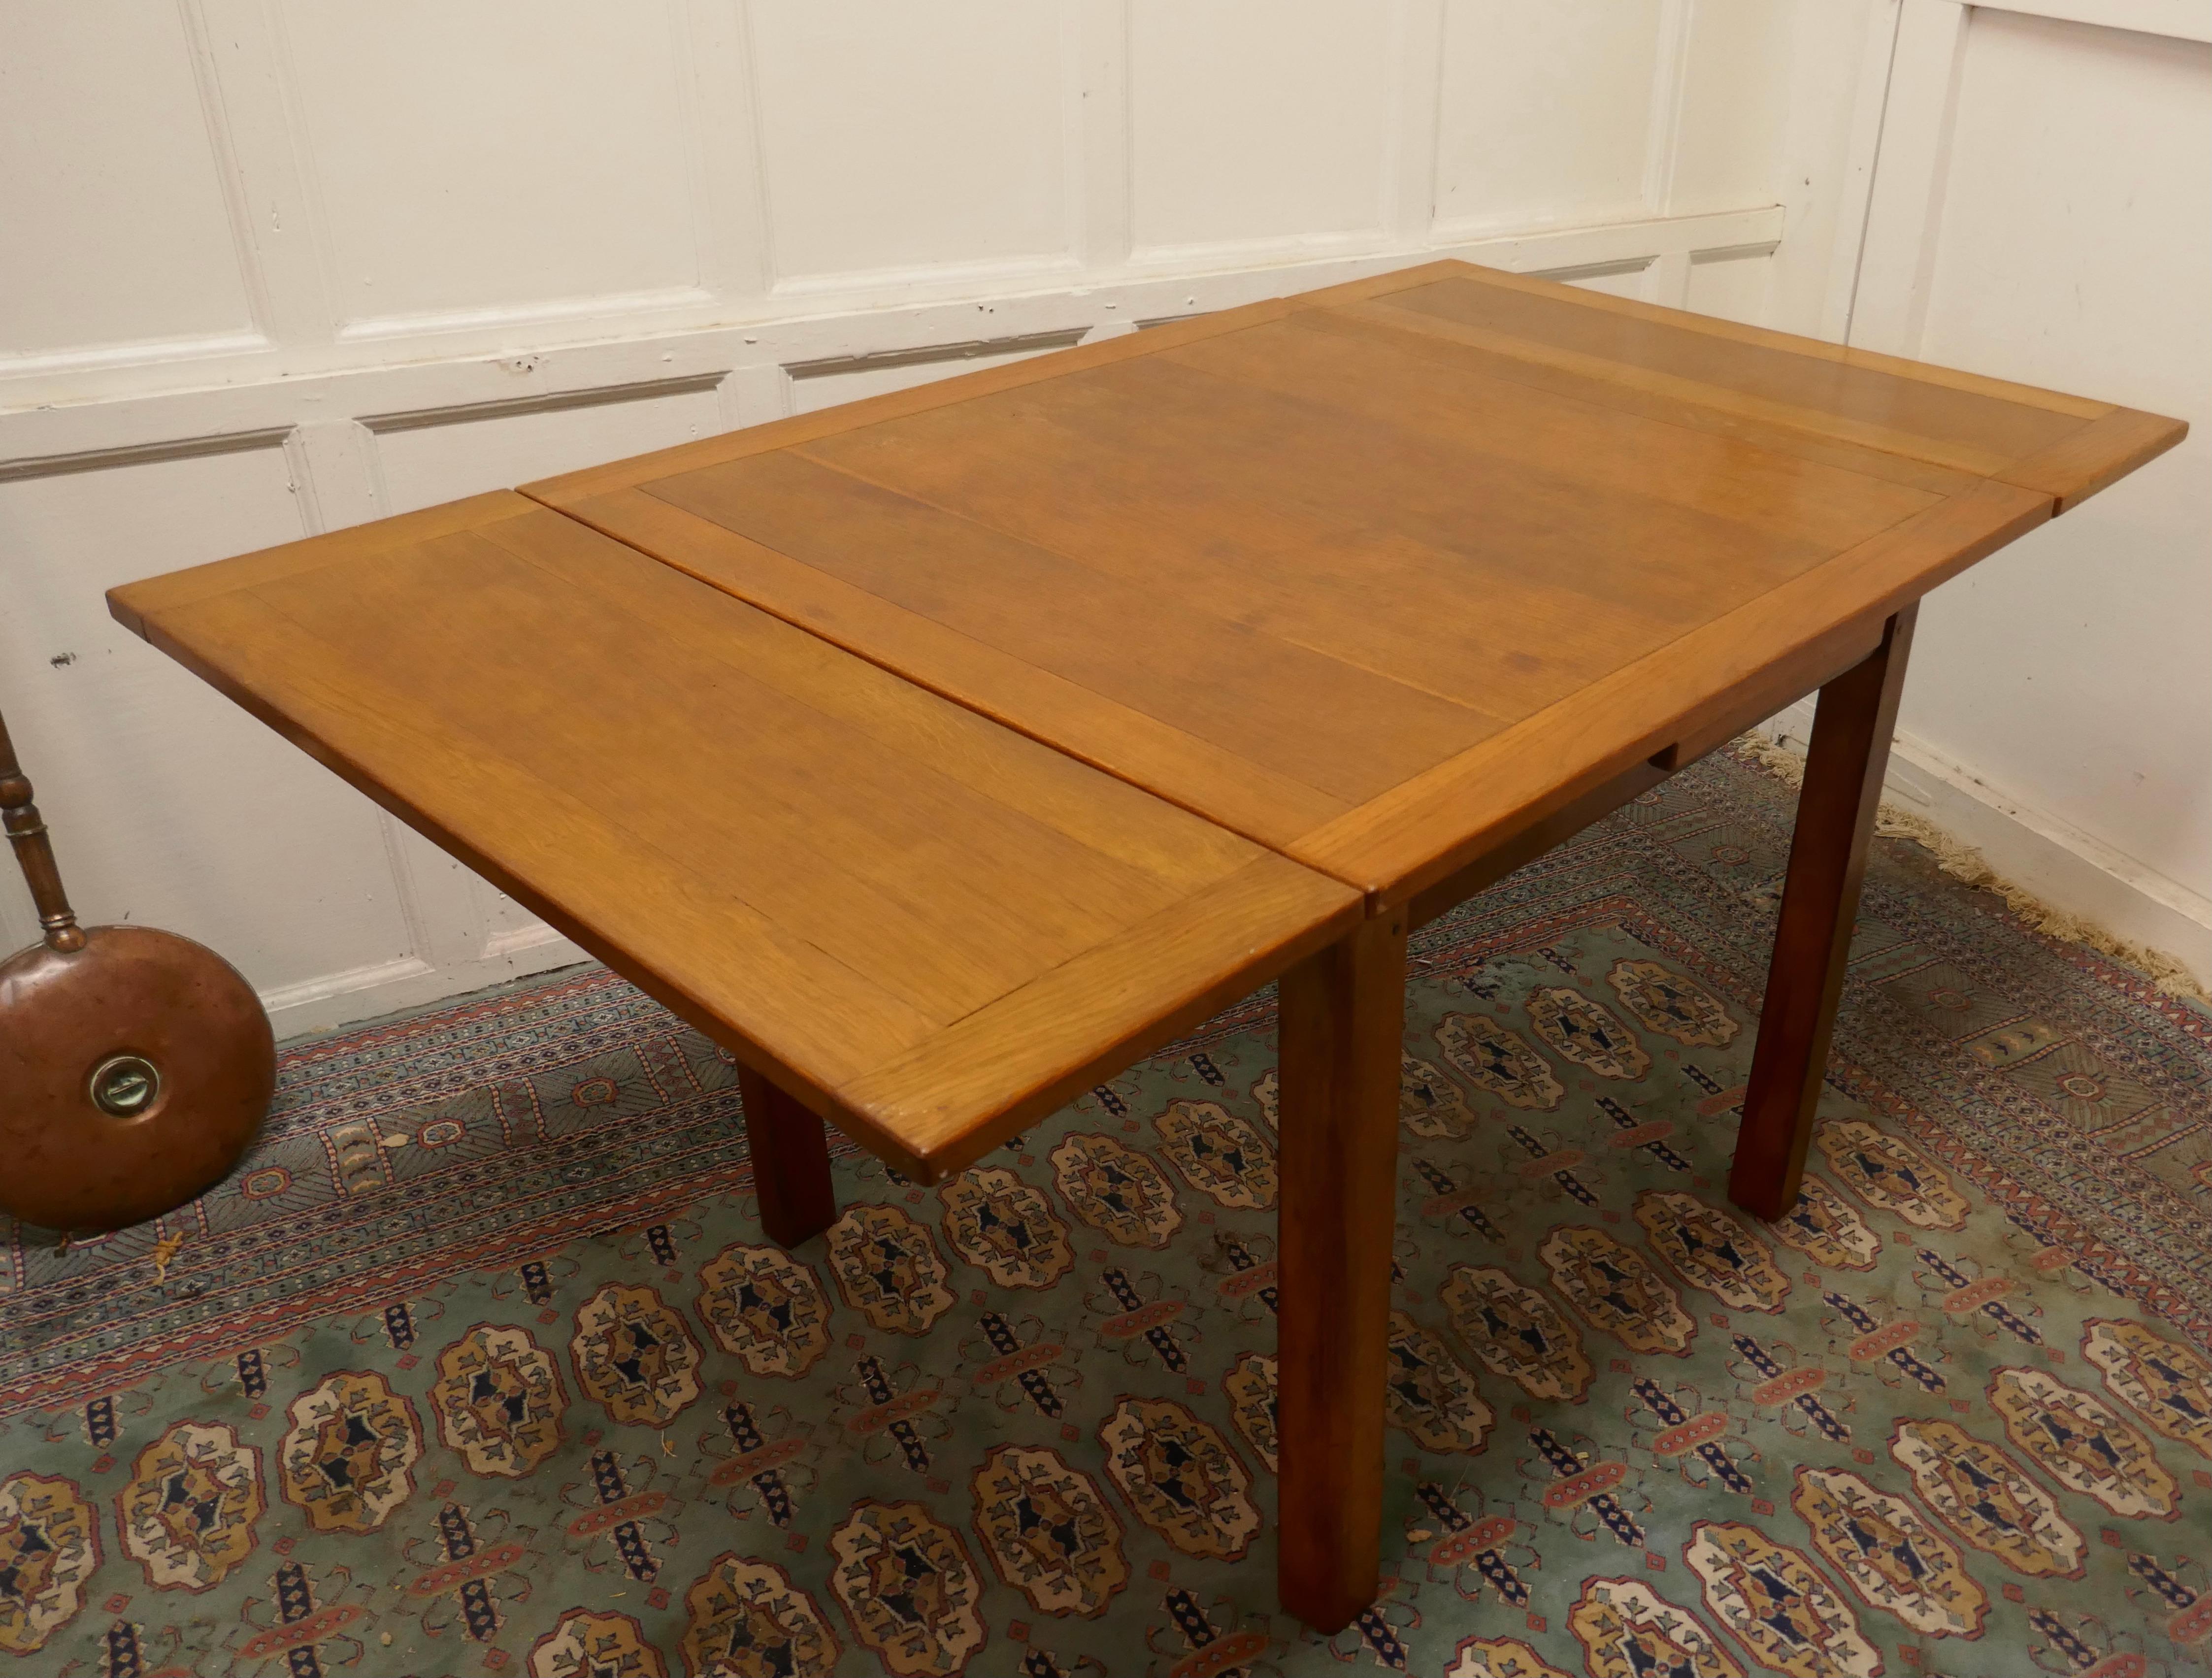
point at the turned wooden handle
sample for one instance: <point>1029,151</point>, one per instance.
<point>19,818</point>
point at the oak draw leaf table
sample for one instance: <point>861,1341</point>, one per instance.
<point>940,754</point>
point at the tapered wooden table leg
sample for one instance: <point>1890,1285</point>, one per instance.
<point>1342,1023</point>
<point>1851,729</point>
<point>791,1162</point>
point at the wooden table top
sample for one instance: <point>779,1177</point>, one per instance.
<point>915,919</point>
<point>1378,576</point>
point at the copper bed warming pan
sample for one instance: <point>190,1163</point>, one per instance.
<point>135,1066</point>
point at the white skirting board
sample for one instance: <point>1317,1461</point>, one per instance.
<point>2050,859</point>
<point>333,999</point>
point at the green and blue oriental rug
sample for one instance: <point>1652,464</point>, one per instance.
<point>481,1364</point>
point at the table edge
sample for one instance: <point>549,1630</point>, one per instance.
<point>1268,911</point>
<point>563,490</point>
<point>900,1102</point>
<point>1844,355</point>
<point>2096,457</point>
<point>1438,822</point>
<point>128,603</point>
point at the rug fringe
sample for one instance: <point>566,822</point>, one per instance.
<point>1962,861</point>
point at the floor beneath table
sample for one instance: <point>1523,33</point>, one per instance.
<point>479,1363</point>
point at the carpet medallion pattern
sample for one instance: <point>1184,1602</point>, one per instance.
<point>481,1364</point>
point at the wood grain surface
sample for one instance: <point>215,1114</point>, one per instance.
<point>1343,1017</point>
<point>1357,598</point>
<point>1383,576</point>
<point>914,920</point>
<point>1851,730</point>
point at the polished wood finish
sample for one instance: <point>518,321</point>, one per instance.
<point>1342,1026</point>
<point>1360,598</point>
<point>791,1162</point>
<point>1383,577</point>
<point>1406,580</point>
<point>914,922</point>
<point>1531,842</point>
<point>1851,729</point>
<point>1728,670</point>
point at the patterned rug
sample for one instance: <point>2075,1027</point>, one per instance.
<point>481,1364</point>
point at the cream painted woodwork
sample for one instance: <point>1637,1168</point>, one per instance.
<point>416,111</point>
<point>268,268</point>
<point>2041,209</point>
<point>1500,159</point>
<point>1285,149</point>
<point>886,150</point>
<point>425,458</point>
<point>189,821</point>
<point>116,242</point>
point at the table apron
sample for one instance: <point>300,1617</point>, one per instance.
<point>1702,731</point>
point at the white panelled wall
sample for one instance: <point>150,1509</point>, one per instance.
<point>2041,209</point>
<point>268,268</point>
